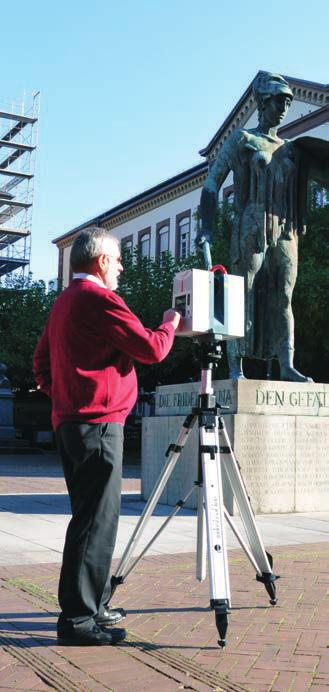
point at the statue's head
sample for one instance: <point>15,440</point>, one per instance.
<point>273,96</point>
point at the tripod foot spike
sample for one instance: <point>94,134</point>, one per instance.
<point>268,579</point>
<point>221,624</point>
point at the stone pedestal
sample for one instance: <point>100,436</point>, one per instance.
<point>279,432</point>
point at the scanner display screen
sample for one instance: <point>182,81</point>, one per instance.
<point>180,304</point>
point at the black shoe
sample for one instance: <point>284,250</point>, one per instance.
<point>110,617</point>
<point>93,637</point>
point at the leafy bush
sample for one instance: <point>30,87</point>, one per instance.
<point>24,309</point>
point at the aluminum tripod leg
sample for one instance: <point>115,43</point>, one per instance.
<point>261,558</point>
<point>214,510</point>
<point>175,511</point>
<point>173,454</point>
<point>243,544</point>
<point>201,544</point>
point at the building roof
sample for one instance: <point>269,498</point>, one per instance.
<point>137,199</point>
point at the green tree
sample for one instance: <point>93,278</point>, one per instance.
<point>310,302</point>
<point>24,309</point>
<point>146,285</point>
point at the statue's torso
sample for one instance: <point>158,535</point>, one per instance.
<point>265,173</point>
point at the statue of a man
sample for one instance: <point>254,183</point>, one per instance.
<point>270,189</point>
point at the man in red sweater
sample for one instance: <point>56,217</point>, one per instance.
<point>84,362</point>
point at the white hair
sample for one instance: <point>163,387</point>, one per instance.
<point>87,246</point>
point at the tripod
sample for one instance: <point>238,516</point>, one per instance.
<point>215,454</point>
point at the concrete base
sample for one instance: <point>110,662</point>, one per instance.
<point>283,457</point>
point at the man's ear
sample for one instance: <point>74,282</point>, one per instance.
<point>100,262</point>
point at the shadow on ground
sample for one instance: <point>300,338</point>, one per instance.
<point>58,503</point>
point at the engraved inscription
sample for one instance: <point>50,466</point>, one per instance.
<point>312,471</point>
<point>269,397</point>
<point>248,396</point>
<point>276,397</point>
<point>265,450</point>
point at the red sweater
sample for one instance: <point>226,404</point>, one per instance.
<point>83,360</point>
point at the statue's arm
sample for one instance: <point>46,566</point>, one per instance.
<point>209,195</point>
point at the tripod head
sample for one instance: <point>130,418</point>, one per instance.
<point>210,351</point>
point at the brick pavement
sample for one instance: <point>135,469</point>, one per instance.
<point>172,640</point>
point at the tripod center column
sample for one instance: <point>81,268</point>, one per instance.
<point>206,381</point>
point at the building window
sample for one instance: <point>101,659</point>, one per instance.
<point>162,239</point>
<point>127,246</point>
<point>228,194</point>
<point>321,197</point>
<point>144,242</point>
<point>183,235</point>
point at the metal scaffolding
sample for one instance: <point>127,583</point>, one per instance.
<point>18,141</point>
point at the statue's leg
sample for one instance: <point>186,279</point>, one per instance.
<point>287,370</point>
<point>246,261</point>
<point>234,361</point>
<point>286,274</point>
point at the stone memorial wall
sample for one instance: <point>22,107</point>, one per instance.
<point>279,432</point>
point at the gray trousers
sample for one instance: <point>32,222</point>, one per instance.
<point>91,455</point>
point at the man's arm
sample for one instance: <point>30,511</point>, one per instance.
<point>41,364</point>
<point>124,331</point>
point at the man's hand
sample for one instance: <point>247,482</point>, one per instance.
<point>172,316</point>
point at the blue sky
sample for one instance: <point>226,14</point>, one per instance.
<point>130,91</point>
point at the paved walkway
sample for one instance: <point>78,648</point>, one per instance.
<point>172,642</point>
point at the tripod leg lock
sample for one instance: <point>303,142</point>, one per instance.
<point>189,420</point>
<point>174,448</point>
<point>219,604</point>
<point>268,579</point>
<point>209,449</point>
<point>221,607</point>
